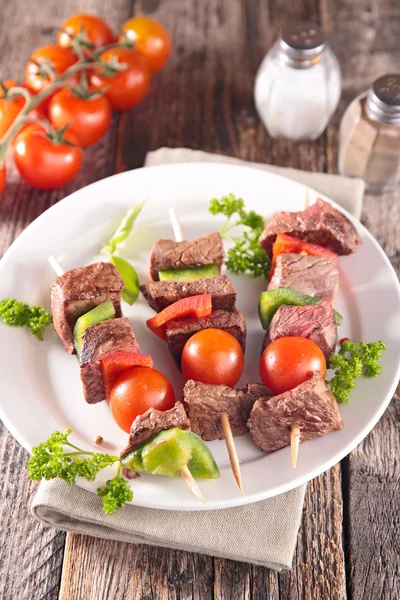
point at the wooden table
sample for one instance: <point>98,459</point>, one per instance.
<point>349,539</point>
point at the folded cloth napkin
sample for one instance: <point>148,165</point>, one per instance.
<point>345,191</point>
<point>263,533</point>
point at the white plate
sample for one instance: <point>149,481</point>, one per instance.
<point>40,388</point>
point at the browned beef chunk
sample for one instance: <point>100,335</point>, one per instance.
<point>320,223</point>
<point>316,323</point>
<point>78,291</point>
<point>311,275</point>
<point>178,332</point>
<point>160,294</point>
<point>98,341</point>
<point>311,406</point>
<point>167,254</point>
<point>153,421</point>
<point>205,403</point>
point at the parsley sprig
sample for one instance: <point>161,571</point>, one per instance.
<point>246,254</point>
<point>58,457</point>
<point>352,361</point>
<point>17,314</point>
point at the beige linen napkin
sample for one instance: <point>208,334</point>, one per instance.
<point>263,533</point>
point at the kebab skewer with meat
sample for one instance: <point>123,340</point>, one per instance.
<point>303,248</point>
<point>102,341</point>
<point>209,302</point>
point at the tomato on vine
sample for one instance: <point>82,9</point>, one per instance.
<point>151,40</point>
<point>88,117</point>
<point>88,30</point>
<point>3,176</point>
<point>55,58</point>
<point>9,108</point>
<point>46,159</point>
<point>127,87</point>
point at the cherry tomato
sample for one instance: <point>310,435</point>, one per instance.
<point>289,361</point>
<point>95,30</point>
<point>151,39</point>
<point>2,177</point>
<point>126,88</point>
<point>213,356</point>
<point>9,109</point>
<point>60,59</point>
<point>43,163</point>
<point>137,390</point>
<point>88,119</point>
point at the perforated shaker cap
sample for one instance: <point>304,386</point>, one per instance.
<point>302,43</point>
<point>383,100</point>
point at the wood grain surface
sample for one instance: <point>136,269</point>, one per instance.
<point>348,543</point>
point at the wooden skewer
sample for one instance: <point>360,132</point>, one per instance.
<point>188,477</point>
<point>294,444</point>
<point>230,444</point>
<point>307,198</point>
<point>226,427</point>
<point>186,474</point>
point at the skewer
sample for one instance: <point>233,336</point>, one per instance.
<point>186,474</point>
<point>226,428</point>
<point>307,198</point>
<point>294,444</point>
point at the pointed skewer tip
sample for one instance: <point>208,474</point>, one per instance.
<point>294,444</point>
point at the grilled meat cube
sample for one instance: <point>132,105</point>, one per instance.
<point>78,291</point>
<point>178,332</point>
<point>320,224</point>
<point>167,254</point>
<point>315,322</point>
<point>98,341</point>
<point>205,403</point>
<point>153,421</point>
<point>311,275</point>
<point>311,406</point>
<point>160,294</point>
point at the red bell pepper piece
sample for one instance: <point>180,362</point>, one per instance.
<point>115,363</point>
<point>193,306</point>
<point>286,244</point>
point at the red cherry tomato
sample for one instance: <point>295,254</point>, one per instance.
<point>126,88</point>
<point>289,361</point>
<point>3,176</point>
<point>213,356</point>
<point>43,163</point>
<point>95,30</point>
<point>88,119</point>
<point>9,109</point>
<point>137,390</point>
<point>151,39</point>
<point>60,59</point>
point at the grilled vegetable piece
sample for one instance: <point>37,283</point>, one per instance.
<point>103,312</point>
<point>189,273</point>
<point>115,363</point>
<point>271,300</point>
<point>168,451</point>
<point>286,244</point>
<point>193,306</point>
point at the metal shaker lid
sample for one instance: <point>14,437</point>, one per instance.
<point>302,43</point>
<point>383,100</point>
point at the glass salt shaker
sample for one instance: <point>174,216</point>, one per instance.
<point>369,136</point>
<point>298,84</point>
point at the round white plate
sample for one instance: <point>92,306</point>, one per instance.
<point>40,389</point>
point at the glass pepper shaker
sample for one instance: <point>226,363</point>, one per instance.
<point>369,136</point>
<point>297,87</point>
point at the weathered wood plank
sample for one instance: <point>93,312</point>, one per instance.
<point>31,555</point>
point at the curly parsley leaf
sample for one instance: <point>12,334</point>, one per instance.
<point>352,361</point>
<point>115,494</point>
<point>17,314</point>
<point>246,254</point>
<point>57,457</point>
